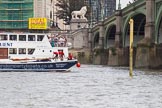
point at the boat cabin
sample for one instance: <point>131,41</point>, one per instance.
<point>27,45</point>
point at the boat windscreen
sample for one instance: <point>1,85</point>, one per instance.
<point>40,37</point>
<point>31,51</point>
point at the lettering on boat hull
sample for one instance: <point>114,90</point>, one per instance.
<point>37,66</point>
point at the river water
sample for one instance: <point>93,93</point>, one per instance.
<point>89,86</point>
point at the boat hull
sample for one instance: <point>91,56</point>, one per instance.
<point>37,66</point>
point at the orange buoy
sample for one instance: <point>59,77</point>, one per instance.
<point>78,64</point>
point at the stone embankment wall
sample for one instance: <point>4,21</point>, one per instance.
<point>83,55</point>
<point>149,56</point>
<point>120,56</point>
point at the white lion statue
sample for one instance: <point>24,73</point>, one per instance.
<point>79,14</point>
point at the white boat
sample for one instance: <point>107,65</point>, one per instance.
<point>32,52</point>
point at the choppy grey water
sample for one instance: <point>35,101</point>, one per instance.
<point>89,86</point>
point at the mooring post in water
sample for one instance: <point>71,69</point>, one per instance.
<point>131,22</point>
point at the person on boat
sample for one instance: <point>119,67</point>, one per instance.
<point>55,55</point>
<point>65,41</point>
<point>70,56</point>
<point>52,43</point>
<point>61,55</point>
<point>56,40</point>
<point>61,41</point>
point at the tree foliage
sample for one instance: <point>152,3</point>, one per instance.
<point>66,7</point>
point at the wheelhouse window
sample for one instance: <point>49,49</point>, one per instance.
<point>22,51</point>
<point>30,51</point>
<point>13,37</point>
<point>22,37</point>
<point>40,37</point>
<point>3,37</point>
<point>31,37</point>
<point>13,51</point>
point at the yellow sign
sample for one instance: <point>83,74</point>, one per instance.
<point>37,23</point>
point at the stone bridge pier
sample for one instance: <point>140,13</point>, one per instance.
<point>146,52</point>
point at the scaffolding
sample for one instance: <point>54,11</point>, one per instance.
<point>14,14</point>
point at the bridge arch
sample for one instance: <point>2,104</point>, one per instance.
<point>95,40</point>
<point>139,28</point>
<point>158,27</point>
<point>110,36</point>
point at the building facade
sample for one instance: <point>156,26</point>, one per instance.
<point>14,14</point>
<point>101,9</point>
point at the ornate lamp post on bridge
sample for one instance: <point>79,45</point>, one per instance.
<point>119,6</point>
<point>102,9</point>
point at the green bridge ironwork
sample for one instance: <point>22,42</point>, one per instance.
<point>113,33</point>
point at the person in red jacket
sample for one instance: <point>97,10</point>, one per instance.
<point>55,55</point>
<point>70,56</point>
<point>61,55</point>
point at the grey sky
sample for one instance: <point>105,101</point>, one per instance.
<point>123,3</point>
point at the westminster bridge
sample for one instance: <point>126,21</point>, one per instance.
<point>109,39</point>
